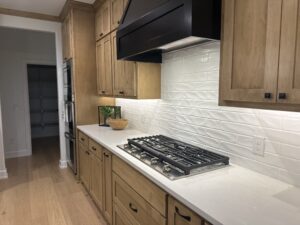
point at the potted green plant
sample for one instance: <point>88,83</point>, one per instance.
<point>107,112</point>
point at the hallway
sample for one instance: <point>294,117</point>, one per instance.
<point>38,192</point>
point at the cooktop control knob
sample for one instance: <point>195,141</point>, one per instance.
<point>143,155</point>
<point>154,161</point>
<point>166,169</point>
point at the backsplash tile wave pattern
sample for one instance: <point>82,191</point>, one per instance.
<point>189,111</point>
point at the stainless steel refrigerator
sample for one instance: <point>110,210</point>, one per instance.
<point>70,123</point>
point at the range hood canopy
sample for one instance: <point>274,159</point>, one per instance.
<point>150,27</point>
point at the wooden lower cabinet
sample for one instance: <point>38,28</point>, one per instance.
<point>96,188</point>
<point>133,205</point>
<point>85,168</point>
<point>107,180</point>
<point>124,195</point>
<point>179,214</point>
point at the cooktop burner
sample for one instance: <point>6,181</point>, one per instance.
<point>173,158</point>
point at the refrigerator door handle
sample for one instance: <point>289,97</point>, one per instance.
<point>69,136</point>
<point>67,112</point>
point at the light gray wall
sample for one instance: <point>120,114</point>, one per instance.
<point>18,48</point>
<point>189,111</point>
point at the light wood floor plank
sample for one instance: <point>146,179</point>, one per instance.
<point>37,192</point>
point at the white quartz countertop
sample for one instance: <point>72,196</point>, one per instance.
<point>228,196</point>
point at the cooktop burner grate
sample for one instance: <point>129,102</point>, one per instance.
<point>184,156</point>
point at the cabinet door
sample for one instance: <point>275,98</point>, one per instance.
<point>117,9</point>
<point>124,74</point>
<point>67,36</point>
<point>97,181</point>
<point>178,214</point>
<point>84,163</point>
<point>250,50</point>
<point>98,24</point>
<point>104,68</point>
<point>107,176</point>
<point>106,17</point>
<point>289,64</point>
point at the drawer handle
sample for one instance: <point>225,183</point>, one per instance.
<point>188,218</point>
<point>282,96</point>
<point>82,139</point>
<point>106,155</point>
<point>134,209</point>
<point>94,148</point>
<point>268,95</point>
<point>87,152</point>
<point>121,92</point>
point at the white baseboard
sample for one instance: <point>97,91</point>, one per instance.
<point>3,174</point>
<point>16,154</point>
<point>63,164</point>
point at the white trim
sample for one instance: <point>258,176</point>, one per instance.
<point>3,174</point>
<point>63,164</point>
<point>52,27</point>
<point>19,153</point>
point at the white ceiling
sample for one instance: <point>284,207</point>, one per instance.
<point>49,7</point>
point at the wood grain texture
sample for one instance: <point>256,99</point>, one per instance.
<point>178,214</point>
<point>107,186</point>
<point>289,67</point>
<point>32,15</point>
<point>117,9</point>
<point>250,50</point>
<point>155,196</point>
<point>37,192</point>
<point>134,205</point>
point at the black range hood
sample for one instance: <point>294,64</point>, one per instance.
<point>150,27</point>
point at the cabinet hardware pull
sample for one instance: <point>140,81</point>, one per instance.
<point>94,148</point>
<point>82,139</point>
<point>121,92</point>
<point>282,96</point>
<point>106,155</point>
<point>101,34</point>
<point>118,21</point>
<point>134,209</point>
<point>268,95</point>
<point>103,92</point>
<point>188,218</point>
<point>87,152</point>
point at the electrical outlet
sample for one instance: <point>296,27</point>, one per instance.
<point>258,146</point>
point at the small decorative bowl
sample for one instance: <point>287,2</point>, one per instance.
<point>118,124</point>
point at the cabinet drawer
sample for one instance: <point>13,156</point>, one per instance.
<point>83,139</point>
<point>141,185</point>
<point>134,205</point>
<point>180,214</point>
<point>95,148</point>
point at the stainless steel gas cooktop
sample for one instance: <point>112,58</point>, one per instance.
<point>174,159</point>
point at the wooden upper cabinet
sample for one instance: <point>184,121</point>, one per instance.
<point>67,35</point>
<point>104,66</point>
<point>103,20</point>
<point>124,74</point>
<point>289,66</point>
<point>117,9</point>
<point>250,50</point>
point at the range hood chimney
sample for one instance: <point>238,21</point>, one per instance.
<point>150,27</point>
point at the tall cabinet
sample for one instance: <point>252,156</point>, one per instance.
<point>260,54</point>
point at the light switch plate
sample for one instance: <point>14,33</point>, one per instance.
<point>259,146</point>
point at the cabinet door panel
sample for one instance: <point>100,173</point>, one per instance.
<point>98,24</point>
<point>107,207</point>
<point>289,67</point>
<point>104,70</point>
<point>117,7</point>
<point>106,17</point>
<point>84,163</point>
<point>124,74</point>
<point>97,181</point>
<point>250,49</point>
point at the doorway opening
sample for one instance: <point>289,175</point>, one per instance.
<point>43,102</point>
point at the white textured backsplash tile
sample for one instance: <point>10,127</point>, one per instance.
<point>189,111</point>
